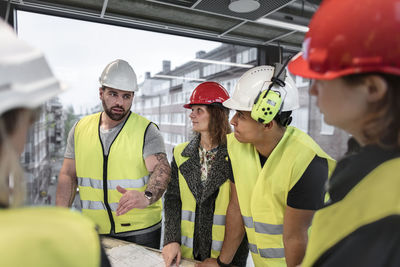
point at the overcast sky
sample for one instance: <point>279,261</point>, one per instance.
<point>78,51</point>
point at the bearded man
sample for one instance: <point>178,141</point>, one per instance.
<point>117,159</point>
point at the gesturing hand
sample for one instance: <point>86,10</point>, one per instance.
<point>208,263</point>
<point>170,252</point>
<point>131,199</point>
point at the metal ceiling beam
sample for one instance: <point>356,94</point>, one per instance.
<point>223,15</point>
<point>278,37</point>
<point>195,4</point>
<point>103,10</point>
<point>276,9</point>
<point>143,25</point>
<point>232,28</point>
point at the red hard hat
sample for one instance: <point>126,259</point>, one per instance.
<point>207,93</point>
<point>348,37</point>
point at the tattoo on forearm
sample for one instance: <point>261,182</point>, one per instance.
<point>160,177</point>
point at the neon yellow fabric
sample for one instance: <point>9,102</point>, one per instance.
<point>189,207</point>
<point>262,192</point>
<point>373,198</point>
<point>48,237</point>
<point>125,167</point>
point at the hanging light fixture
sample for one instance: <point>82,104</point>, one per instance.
<point>243,6</point>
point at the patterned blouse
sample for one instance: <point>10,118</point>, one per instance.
<point>206,159</point>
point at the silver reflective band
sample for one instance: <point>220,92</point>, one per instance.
<point>272,252</point>
<point>188,215</point>
<point>97,205</point>
<point>219,220</point>
<point>112,184</point>
<point>253,248</point>
<point>271,229</point>
<point>187,241</point>
<point>216,245</point>
<point>263,228</point>
<point>248,221</point>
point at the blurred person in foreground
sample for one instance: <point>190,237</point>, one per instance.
<point>33,236</point>
<point>352,54</point>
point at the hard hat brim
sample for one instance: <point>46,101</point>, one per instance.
<point>232,104</point>
<point>300,67</point>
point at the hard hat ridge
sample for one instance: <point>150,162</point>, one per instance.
<point>208,93</point>
<point>338,44</point>
<point>118,74</point>
<point>257,80</point>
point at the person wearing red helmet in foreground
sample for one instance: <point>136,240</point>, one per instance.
<point>354,61</point>
<point>198,195</point>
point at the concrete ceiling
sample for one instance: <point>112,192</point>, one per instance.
<point>207,19</point>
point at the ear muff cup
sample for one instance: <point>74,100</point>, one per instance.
<point>266,106</point>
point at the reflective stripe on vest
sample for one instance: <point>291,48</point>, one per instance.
<point>375,197</point>
<point>99,175</point>
<point>44,236</point>
<point>270,186</point>
<point>263,228</point>
<point>126,183</point>
<point>188,214</point>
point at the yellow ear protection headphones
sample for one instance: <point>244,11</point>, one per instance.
<point>268,103</point>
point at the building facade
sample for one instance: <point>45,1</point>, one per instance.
<point>161,97</point>
<point>43,152</point>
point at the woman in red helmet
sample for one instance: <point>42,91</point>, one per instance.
<point>198,194</point>
<point>354,61</point>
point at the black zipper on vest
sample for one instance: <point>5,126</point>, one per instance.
<point>105,191</point>
<point>105,170</point>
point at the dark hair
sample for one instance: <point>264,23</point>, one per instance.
<point>10,117</point>
<point>105,87</point>
<point>218,125</point>
<point>382,126</point>
<point>284,118</point>
<point>353,147</point>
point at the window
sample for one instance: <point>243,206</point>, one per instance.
<point>147,103</point>
<point>178,118</point>
<point>165,100</point>
<point>155,101</point>
<point>177,98</point>
<point>300,119</point>
<point>246,56</point>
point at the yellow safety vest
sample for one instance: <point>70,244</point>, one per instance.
<point>189,212</point>
<point>47,237</point>
<point>262,192</point>
<point>375,197</point>
<point>99,175</point>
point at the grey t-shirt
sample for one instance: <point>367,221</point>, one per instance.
<point>153,141</point>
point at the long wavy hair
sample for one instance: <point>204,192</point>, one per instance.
<point>382,126</point>
<point>218,125</point>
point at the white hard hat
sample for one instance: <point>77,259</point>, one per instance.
<point>119,75</point>
<point>26,80</point>
<point>256,80</point>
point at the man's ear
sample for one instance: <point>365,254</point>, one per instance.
<point>101,92</point>
<point>376,86</point>
<point>269,125</point>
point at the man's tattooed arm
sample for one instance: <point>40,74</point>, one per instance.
<point>159,176</point>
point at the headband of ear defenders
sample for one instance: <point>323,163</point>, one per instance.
<point>268,103</point>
